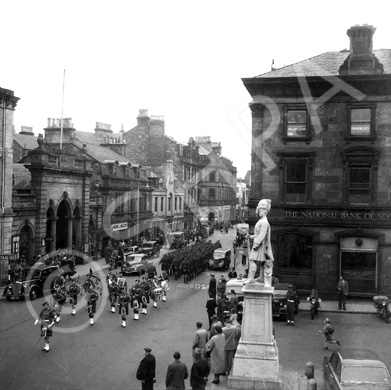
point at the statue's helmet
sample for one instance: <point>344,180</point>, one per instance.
<point>264,204</point>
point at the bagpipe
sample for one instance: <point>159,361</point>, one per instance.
<point>74,287</point>
<point>123,302</point>
<point>92,284</point>
<point>60,296</point>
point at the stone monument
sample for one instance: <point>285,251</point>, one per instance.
<point>256,362</point>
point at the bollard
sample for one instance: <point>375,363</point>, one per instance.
<point>309,370</point>
<point>311,384</point>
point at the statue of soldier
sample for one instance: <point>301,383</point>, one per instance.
<point>261,252</point>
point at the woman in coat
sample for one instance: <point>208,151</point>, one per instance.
<point>216,348</point>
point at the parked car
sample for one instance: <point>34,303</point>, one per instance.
<point>150,248</point>
<point>221,259</point>
<point>31,282</point>
<point>279,299</point>
<point>135,264</point>
<point>130,250</point>
<point>355,369</point>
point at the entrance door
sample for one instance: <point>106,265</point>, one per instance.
<point>359,270</point>
<point>62,226</point>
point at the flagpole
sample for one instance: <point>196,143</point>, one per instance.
<point>62,110</point>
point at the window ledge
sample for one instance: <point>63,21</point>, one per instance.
<point>286,139</point>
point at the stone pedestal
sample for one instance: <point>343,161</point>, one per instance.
<point>256,363</point>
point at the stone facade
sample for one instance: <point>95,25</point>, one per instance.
<point>324,166</point>
<point>8,102</point>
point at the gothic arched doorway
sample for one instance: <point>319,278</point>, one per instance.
<point>62,226</point>
<point>26,243</point>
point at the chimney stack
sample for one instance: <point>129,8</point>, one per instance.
<point>143,118</point>
<point>361,59</point>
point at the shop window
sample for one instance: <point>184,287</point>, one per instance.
<point>360,175</point>
<point>295,178</point>
<point>296,124</point>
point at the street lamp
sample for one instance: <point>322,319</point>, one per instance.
<point>144,179</point>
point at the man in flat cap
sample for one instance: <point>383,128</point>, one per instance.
<point>146,370</point>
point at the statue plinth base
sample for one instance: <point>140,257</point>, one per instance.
<point>256,364</point>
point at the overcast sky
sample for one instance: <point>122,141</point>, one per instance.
<point>180,59</point>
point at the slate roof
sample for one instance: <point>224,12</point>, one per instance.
<point>326,64</point>
<point>95,151</point>
<point>28,142</point>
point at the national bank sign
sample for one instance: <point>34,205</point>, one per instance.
<point>338,215</point>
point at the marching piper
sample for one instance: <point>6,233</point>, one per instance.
<point>46,319</point>
<point>92,297</point>
<point>135,292</point>
<point>59,295</point>
<point>73,291</point>
<point>145,290</point>
<point>124,299</point>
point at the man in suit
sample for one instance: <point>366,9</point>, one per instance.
<point>199,371</point>
<point>176,374</point>
<point>232,336</point>
<point>342,288</point>
<point>146,370</point>
<point>200,339</point>
<point>212,290</point>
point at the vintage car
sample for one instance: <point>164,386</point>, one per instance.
<point>355,369</point>
<point>31,282</point>
<point>177,240</point>
<point>279,296</point>
<point>280,300</point>
<point>130,250</point>
<point>150,248</point>
<point>135,264</point>
<point>221,259</point>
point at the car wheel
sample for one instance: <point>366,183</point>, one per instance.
<point>33,294</point>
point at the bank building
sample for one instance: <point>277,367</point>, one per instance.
<point>321,152</point>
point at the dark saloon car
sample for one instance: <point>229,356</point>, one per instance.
<point>31,282</point>
<point>135,264</point>
<point>150,248</point>
<point>344,370</point>
<point>280,300</point>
